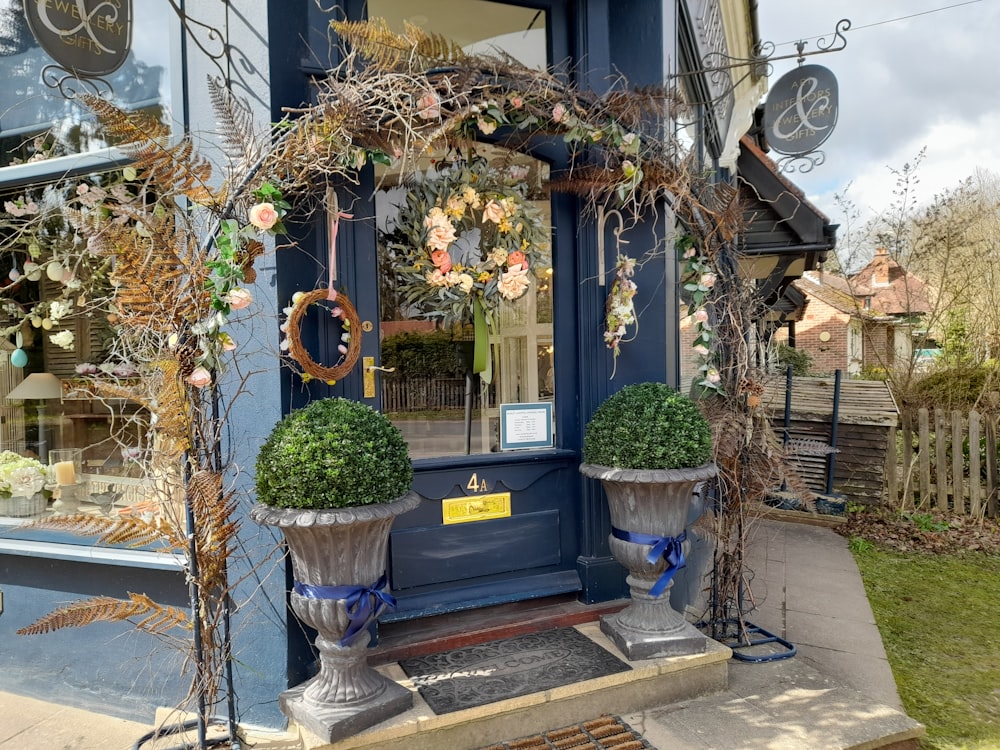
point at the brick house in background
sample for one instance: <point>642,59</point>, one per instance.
<point>866,321</point>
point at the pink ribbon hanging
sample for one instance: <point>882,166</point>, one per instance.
<point>335,215</point>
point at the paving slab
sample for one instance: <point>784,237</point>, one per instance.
<point>784,705</point>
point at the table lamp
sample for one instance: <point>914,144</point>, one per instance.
<point>40,387</point>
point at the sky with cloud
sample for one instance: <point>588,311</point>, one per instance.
<point>913,74</point>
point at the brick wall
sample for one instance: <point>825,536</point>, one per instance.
<point>879,345</point>
<point>820,318</point>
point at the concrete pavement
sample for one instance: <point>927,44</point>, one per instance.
<point>837,693</point>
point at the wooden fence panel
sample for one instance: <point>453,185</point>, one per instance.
<point>924,455</point>
<point>949,463</point>
<point>958,461</point>
<point>907,503</point>
<point>975,467</point>
<point>941,460</point>
<point>991,467</point>
<point>891,469</point>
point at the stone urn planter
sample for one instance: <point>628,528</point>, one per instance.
<point>650,448</point>
<point>332,478</point>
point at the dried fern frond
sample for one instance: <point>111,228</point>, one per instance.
<point>159,280</point>
<point>132,532</point>
<point>216,530</point>
<point>413,50</point>
<point>174,168</point>
<point>235,127</point>
<point>156,617</point>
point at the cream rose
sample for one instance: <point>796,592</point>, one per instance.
<point>513,283</point>
<point>199,377</point>
<point>465,282</point>
<point>493,211</point>
<point>239,298</point>
<point>263,216</point>
<point>441,237</point>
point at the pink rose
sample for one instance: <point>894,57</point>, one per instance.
<point>441,260</point>
<point>701,350</point>
<point>707,280</point>
<point>199,377</point>
<point>429,106</point>
<point>263,216</point>
<point>713,377</point>
<point>516,102</point>
<point>691,252</point>
<point>701,316</point>
<point>516,259</point>
<point>558,113</point>
<point>239,298</point>
<point>493,211</point>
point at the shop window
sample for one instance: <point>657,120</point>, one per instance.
<point>480,26</point>
<point>444,400</point>
<point>43,130</point>
<point>64,385</point>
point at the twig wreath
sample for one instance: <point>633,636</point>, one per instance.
<point>350,348</point>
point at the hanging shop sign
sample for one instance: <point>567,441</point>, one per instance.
<point>87,37</point>
<point>801,110</point>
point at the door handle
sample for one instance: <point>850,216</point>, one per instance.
<point>369,367</point>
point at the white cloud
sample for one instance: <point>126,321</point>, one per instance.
<point>924,81</point>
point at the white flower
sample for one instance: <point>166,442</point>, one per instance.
<point>513,284</point>
<point>465,282</point>
<point>59,309</point>
<point>20,476</point>
<point>63,339</point>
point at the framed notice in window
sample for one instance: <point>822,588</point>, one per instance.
<point>525,426</point>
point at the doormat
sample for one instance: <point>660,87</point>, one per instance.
<point>490,672</point>
<point>606,733</point>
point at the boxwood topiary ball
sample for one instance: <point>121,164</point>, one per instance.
<point>334,453</point>
<point>648,426</point>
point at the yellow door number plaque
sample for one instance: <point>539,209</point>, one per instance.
<point>475,508</point>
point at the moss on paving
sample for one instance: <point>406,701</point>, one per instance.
<point>939,617</point>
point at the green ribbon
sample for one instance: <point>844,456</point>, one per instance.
<point>481,350</point>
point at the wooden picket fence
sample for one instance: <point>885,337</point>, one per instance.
<point>947,461</point>
<point>425,394</point>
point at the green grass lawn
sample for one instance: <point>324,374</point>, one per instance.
<point>939,616</point>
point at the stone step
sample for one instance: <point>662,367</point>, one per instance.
<point>700,702</point>
<point>650,683</point>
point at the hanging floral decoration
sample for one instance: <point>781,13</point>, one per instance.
<point>698,279</point>
<point>620,309</point>
<point>350,339</point>
<point>465,233</point>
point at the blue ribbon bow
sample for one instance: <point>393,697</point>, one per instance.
<point>670,548</point>
<point>363,604</point>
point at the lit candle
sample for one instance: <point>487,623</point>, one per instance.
<point>65,472</point>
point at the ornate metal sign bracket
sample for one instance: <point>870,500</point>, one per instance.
<point>717,65</point>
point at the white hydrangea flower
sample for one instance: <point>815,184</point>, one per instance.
<point>63,339</point>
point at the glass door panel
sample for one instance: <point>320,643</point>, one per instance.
<point>470,231</point>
